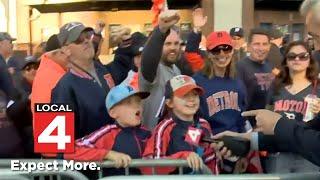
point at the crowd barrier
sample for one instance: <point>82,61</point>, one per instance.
<point>7,174</point>
<point>180,164</point>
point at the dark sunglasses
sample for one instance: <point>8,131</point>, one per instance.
<point>225,48</point>
<point>302,56</point>
<point>32,66</point>
<point>84,36</point>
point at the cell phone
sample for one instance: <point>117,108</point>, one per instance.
<point>237,145</point>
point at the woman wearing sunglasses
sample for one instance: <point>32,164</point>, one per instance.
<point>224,97</point>
<point>297,79</point>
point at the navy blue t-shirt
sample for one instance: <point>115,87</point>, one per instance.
<point>222,103</point>
<point>87,98</point>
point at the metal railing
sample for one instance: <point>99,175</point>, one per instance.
<point>136,163</point>
<point>292,176</point>
<point>153,163</point>
<point>180,164</point>
<point>22,175</point>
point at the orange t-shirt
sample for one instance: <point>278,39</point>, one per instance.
<point>48,75</point>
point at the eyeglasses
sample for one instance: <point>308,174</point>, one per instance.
<point>225,48</point>
<point>84,36</point>
<point>301,57</point>
<point>32,66</point>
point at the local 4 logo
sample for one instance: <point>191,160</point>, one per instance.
<point>53,128</point>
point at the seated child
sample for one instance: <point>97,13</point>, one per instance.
<point>176,136</point>
<point>121,141</point>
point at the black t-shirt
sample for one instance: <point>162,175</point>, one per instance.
<point>257,78</point>
<point>290,105</point>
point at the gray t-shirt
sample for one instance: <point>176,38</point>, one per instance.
<point>153,104</point>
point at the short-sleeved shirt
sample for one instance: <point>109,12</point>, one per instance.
<point>290,105</point>
<point>153,104</point>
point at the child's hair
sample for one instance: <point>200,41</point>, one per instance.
<point>167,112</point>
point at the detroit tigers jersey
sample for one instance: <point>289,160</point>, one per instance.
<point>290,105</point>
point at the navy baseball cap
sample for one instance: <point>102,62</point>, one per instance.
<point>236,31</point>
<point>138,41</point>
<point>120,93</point>
<point>29,60</point>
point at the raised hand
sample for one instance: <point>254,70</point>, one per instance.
<point>167,19</point>
<point>120,34</point>
<point>198,18</point>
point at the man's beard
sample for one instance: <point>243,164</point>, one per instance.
<point>170,62</point>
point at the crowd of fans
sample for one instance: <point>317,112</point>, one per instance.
<point>143,103</point>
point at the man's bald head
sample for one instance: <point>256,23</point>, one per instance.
<point>311,10</point>
<point>308,5</point>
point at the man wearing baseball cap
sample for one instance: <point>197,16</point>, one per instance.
<point>275,57</point>
<point>6,49</point>
<point>84,86</point>
<point>20,111</point>
<point>137,46</point>
<point>239,43</point>
<point>6,46</point>
<point>52,67</point>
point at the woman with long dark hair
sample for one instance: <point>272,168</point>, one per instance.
<point>298,79</point>
<point>224,97</point>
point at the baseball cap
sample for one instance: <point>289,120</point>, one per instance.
<point>276,34</point>
<point>180,85</point>
<point>52,43</point>
<point>137,42</point>
<point>236,31</point>
<point>218,38</point>
<point>28,60</point>
<point>6,36</point>
<point>70,32</point>
<point>120,93</point>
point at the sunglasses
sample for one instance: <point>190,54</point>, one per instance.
<point>32,66</point>
<point>225,48</point>
<point>84,36</point>
<point>301,57</point>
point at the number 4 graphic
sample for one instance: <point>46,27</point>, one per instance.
<point>61,138</point>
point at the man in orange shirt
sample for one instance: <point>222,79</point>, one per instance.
<point>52,67</point>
